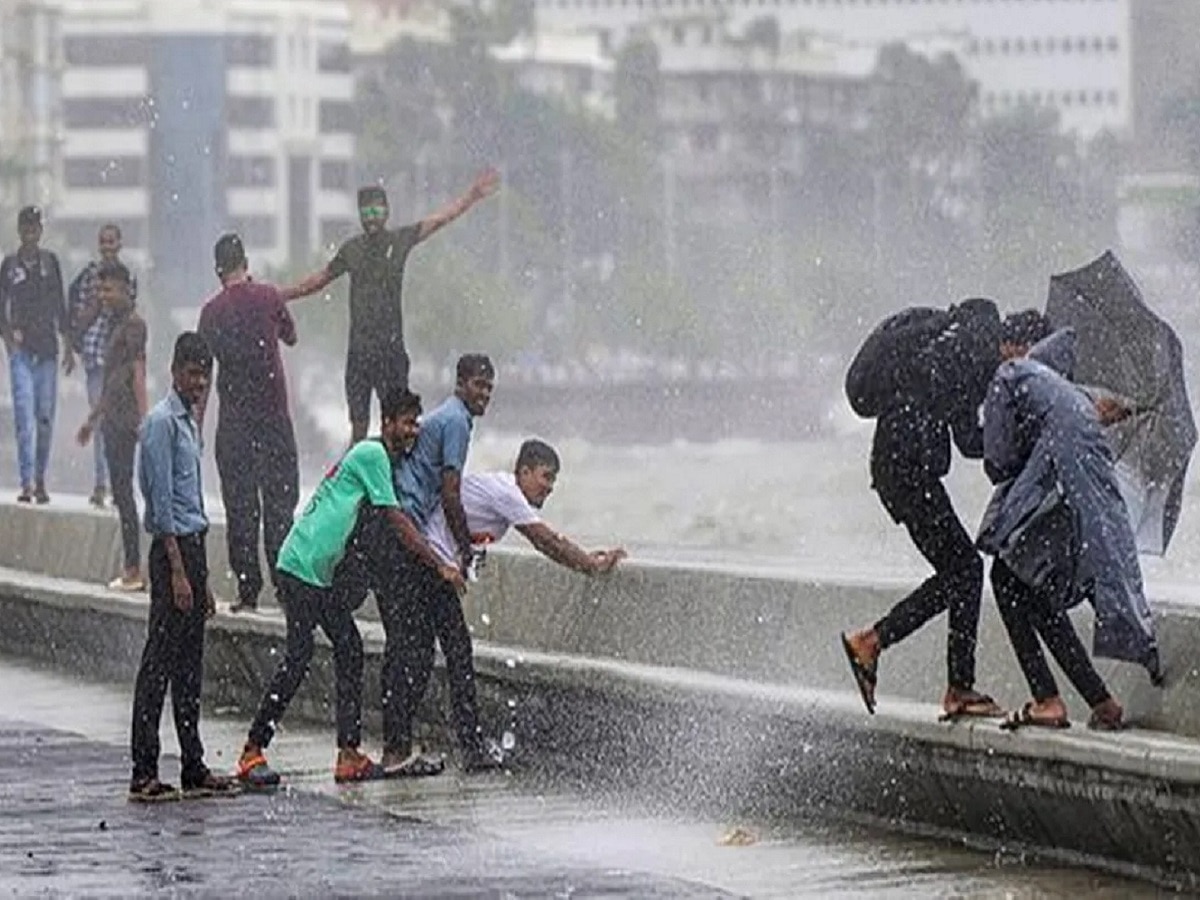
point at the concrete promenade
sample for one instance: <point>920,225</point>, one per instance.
<point>703,689</point>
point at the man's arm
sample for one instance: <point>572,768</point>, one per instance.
<point>284,323</point>
<point>456,516</point>
<point>484,185</point>
<point>967,431</point>
<point>412,539</point>
<point>317,281</point>
<point>5,299</point>
<point>88,311</point>
<point>62,315</point>
<point>204,328</point>
<point>563,551</point>
<point>139,387</point>
<point>157,464</point>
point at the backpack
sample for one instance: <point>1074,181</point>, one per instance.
<point>881,370</point>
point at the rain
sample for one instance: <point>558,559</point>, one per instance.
<point>671,226</point>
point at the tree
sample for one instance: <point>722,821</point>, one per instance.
<point>1037,203</point>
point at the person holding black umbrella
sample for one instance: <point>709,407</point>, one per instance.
<point>1060,533</point>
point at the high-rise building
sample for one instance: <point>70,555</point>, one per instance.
<point>30,70</point>
<point>1072,55</point>
<point>183,118</point>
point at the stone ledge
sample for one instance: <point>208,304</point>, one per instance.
<point>1129,802</point>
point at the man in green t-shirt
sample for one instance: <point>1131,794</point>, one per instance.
<point>310,554</point>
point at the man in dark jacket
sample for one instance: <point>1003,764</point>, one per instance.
<point>33,314</point>
<point>927,379</point>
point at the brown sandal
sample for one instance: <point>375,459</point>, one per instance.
<point>1107,718</point>
<point>979,706</point>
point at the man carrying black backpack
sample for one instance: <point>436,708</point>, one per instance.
<point>922,375</point>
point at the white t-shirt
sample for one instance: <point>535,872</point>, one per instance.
<point>493,504</point>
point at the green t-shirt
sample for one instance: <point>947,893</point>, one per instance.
<point>317,541</point>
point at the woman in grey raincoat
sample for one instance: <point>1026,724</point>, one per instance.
<point>1060,534</point>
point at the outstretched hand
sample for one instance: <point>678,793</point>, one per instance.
<point>606,560</point>
<point>486,183</point>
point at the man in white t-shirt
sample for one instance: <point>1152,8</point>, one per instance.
<point>493,502</point>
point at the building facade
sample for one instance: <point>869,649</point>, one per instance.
<point>185,118</point>
<point>1073,55</point>
<point>30,74</point>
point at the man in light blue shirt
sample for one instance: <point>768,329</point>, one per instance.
<point>428,476</point>
<point>180,599</point>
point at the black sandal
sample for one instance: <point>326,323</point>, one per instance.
<point>1024,718</point>
<point>419,765</point>
<point>865,677</point>
<point>151,790</point>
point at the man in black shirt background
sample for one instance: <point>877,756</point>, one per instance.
<point>376,359</point>
<point>33,313</point>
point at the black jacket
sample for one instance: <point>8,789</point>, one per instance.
<point>944,384</point>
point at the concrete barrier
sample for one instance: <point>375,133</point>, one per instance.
<point>713,744</point>
<point>773,626</point>
<point>707,687</point>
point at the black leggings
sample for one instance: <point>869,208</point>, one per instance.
<point>956,584</point>
<point>1028,614</point>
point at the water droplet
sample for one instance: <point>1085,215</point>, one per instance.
<point>508,740</point>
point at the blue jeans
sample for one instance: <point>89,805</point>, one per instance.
<point>95,386</point>
<point>34,392</point>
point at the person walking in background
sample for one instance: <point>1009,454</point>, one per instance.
<point>923,375</point>
<point>180,598</point>
<point>33,313</point>
<point>256,443</point>
<point>90,327</point>
<point>376,359</point>
<point>121,406</point>
<point>308,561</point>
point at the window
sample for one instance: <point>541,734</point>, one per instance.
<point>256,231</point>
<point>106,50</point>
<point>105,112</point>
<point>334,231</point>
<point>250,112</point>
<point>333,56</point>
<point>250,171</point>
<point>335,115</point>
<point>335,175</point>
<point>251,51</point>
<point>101,171</point>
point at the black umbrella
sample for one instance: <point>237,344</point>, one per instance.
<point>1125,349</point>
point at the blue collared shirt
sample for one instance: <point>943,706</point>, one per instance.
<point>441,445</point>
<point>169,476</point>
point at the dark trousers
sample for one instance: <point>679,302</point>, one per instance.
<point>1029,614</point>
<point>120,446</point>
<point>174,654</point>
<point>306,608</point>
<point>956,584</point>
<point>260,484</point>
<point>414,614</point>
<point>416,607</point>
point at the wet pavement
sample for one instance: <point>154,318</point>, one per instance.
<point>66,829</point>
